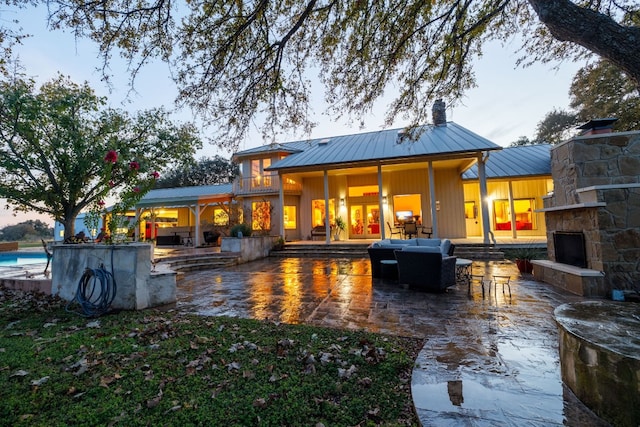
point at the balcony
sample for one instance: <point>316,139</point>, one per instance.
<point>265,184</point>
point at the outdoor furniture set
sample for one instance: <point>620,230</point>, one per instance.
<point>423,264</point>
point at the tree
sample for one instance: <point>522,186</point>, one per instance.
<point>59,147</point>
<point>29,229</point>
<point>557,126</point>
<point>205,171</point>
<point>234,60</point>
<point>602,90</point>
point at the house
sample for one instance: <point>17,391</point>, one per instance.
<point>434,175</point>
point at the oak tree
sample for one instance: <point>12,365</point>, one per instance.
<point>235,61</point>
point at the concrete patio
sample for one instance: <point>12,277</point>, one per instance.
<point>488,360</point>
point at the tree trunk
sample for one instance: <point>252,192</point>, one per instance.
<point>594,31</point>
<point>69,226</point>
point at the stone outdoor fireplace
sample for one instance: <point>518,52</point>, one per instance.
<point>593,215</point>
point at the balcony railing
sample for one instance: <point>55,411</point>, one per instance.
<point>268,183</point>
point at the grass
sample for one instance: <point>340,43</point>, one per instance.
<point>164,368</point>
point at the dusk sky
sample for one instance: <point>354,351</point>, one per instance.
<point>508,102</point>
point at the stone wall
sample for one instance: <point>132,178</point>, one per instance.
<point>606,159</point>
<point>597,191</point>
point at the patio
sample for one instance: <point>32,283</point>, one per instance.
<point>489,360</point>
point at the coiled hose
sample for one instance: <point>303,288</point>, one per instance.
<point>96,291</point>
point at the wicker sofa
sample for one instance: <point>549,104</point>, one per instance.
<point>425,268</point>
<point>385,250</point>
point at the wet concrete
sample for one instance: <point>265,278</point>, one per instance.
<point>487,361</point>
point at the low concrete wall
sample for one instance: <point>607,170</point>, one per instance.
<point>600,357</point>
<point>249,248</point>
<point>137,287</point>
<point>27,285</point>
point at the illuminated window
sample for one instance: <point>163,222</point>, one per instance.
<point>523,214</point>
<point>470,210</point>
<point>260,178</point>
<point>261,216</point>
<point>220,216</point>
<point>318,211</point>
<point>266,176</point>
<point>290,218</point>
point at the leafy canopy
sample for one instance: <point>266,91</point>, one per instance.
<point>205,171</point>
<point>53,143</point>
<point>235,61</point>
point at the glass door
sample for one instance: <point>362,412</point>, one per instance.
<point>364,222</point>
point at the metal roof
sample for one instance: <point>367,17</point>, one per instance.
<point>289,147</point>
<point>520,161</point>
<point>181,196</point>
<point>385,145</point>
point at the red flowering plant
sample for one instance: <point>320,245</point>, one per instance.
<point>126,182</point>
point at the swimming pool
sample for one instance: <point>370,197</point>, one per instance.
<point>17,259</point>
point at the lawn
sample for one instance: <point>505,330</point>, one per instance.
<point>165,368</point>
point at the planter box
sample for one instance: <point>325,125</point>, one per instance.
<point>136,287</point>
<point>249,248</point>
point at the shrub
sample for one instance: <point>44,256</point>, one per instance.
<point>244,228</point>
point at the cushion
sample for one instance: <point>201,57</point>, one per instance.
<point>421,241</point>
<point>444,246</point>
<point>411,242</point>
<point>423,249</point>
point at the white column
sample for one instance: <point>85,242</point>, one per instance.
<point>281,204</point>
<point>484,199</point>
<point>432,200</point>
<point>380,203</point>
<point>514,232</point>
<point>327,223</point>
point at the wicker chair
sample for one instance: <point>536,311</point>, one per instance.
<point>425,271</point>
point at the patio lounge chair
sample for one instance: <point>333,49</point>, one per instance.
<point>425,269</point>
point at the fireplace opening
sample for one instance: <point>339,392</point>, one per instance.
<point>570,248</point>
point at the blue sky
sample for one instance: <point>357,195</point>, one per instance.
<point>508,102</point>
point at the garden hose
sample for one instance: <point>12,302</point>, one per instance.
<point>96,291</point>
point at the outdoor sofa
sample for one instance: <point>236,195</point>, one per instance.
<point>385,250</point>
<point>425,268</point>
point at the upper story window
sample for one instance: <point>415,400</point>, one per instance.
<point>258,176</point>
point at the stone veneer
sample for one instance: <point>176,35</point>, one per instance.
<point>596,191</point>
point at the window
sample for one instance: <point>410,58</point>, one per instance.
<point>290,216</point>
<point>470,210</point>
<point>318,211</point>
<point>407,207</point>
<point>261,216</point>
<point>523,214</point>
<point>260,178</point>
<point>220,216</point>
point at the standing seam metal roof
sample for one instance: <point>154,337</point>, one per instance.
<point>186,194</point>
<point>520,161</point>
<point>380,145</point>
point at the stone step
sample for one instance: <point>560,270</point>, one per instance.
<point>202,262</point>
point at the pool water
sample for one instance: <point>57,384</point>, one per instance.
<point>16,259</point>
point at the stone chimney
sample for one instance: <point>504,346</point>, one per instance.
<point>439,112</point>
<point>597,126</point>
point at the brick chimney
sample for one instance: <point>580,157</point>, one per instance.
<point>598,126</point>
<point>439,113</point>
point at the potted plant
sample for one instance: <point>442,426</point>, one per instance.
<point>523,256</point>
<point>340,226</point>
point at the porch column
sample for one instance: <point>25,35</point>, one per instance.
<point>380,203</point>
<point>432,200</point>
<point>196,212</point>
<point>514,232</point>
<point>281,203</point>
<point>484,200</point>
<point>327,222</point>
<point>136,234</point>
